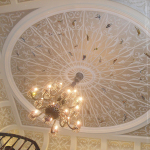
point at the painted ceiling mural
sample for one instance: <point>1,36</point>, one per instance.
<point>112,53</point>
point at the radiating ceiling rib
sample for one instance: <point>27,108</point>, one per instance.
<point>115,103</point>
<point>126,81</point>
<point>125,95</point>
<point>35,75</point>
<point>123,52</point>
<point>35,63</point>
<point>70,36</point>
<point>112,40</point>
<point>127,68</point>
<point>40,52</point>
<point>105,16</point>
<point>50,45</point>
<point>60,42</point>
<point>103,108</point>
<point>92,108</point>
<point>82,34</point>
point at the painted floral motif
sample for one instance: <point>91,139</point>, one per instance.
<point>145,146</point>
<point>19,1</point>
<point>3,94</point>
<point>142,6</point>
<point>144,131</point>
<point>59,142</point>
<point>4,2</point>
<point>7,22</point>
<point>6,117</point>
<point>88,144</point>
<point>120,145</point>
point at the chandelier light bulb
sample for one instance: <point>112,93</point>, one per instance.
<point>68,90</point>
<point>49,86</point>
<point>68,118</point>
<point>77,107</point>
<point>56,127</point>
<point>75,91</point>
<point>51,119</point>
<point>36,111</point>
<point>66,110</point>
<point>41,98</point>
<point>80,98</point>
<point>53,103</point>
<point>35,89</point>
<point>60,83</point>
<point>78,122</point>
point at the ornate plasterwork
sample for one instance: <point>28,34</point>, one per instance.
<point>142,6</point>
<point>59,142</point>
<point>23,113</point>
<point>88,144</point>
<point>7,22</point>
<point>6,117</point>
<point>145,146</point>
<point>115,68</point>
<point>4,2</point>
<point>36,136</point>
<point>144,131</point>
<point>120,145</point>
<point>3,94</point>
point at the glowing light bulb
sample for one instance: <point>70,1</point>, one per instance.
<point>80,98</point>
<point>51,119</point>
<point>75,91</point>
<point>35,89</point>
<point>41,98</point>
<point>49,86</point>
<point>60,83</point>
<point>77,107</point>
<point>68,118</point>
<point>68,90</point>
<point>36,111</point>
<point>78,122</point>
<point>66,110</point>
<point>53,103</point>
<point>33,93</point>
<point>56,127</point>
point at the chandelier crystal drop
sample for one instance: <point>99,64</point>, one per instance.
<point>58,103</point>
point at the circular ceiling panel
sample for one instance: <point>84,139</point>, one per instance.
<point>112,53</point>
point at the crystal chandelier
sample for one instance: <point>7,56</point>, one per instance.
<point>57,103</point>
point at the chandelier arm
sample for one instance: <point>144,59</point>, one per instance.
<point>33,97</point>
<point>72,128</point>
<point>60,122</point>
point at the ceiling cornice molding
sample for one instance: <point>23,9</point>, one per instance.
<point>33,17</point>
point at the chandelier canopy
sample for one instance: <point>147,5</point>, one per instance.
<point>57,103</point>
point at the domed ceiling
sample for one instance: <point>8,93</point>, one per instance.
<point>113,54</point>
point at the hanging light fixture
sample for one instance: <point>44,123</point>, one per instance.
<point>57,103</point>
